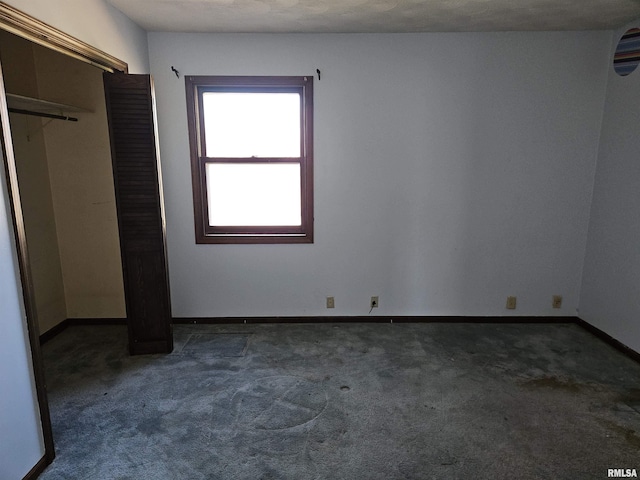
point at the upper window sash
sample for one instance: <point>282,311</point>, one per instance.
<point>231,84</point>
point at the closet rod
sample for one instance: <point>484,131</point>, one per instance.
<point>42,114</point>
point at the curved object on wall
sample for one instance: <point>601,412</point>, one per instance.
<point>627,54</point>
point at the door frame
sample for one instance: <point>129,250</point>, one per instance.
<point>25,26</point>
<point>30,28</point>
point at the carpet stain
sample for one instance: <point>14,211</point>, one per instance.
<point>630,435</point>
<point>631,398</point>
<point>448,461</point>
<point>554,383</point>
<point>632,395</point>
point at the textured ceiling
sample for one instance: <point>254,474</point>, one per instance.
<point>377,15</point>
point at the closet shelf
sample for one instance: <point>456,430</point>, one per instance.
<point>37,105</point>
<point>43,108</point>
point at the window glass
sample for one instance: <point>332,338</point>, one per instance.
<point>253,194</point>
<point>239,124</point>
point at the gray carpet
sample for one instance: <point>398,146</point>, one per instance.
<point>351,401</point>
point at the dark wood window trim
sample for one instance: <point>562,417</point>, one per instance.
<point>206,234</point>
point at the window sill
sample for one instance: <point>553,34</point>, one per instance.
<point>253,239</point>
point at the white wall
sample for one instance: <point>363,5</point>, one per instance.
<point>95,22</point>
<point>451,170</point>
<point>610,298</point>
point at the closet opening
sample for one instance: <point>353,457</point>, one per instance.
<point>63,194</point>
<point>88,247</point>
<point>27,46</point>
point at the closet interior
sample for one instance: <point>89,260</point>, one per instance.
<point>62,149</point>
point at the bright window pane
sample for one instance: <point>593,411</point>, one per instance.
<point>251,124</point>
<point>253,194</point>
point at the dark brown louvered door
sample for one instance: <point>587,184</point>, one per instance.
<point>138,187</point>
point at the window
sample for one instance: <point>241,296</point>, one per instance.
<point>251,141</point>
